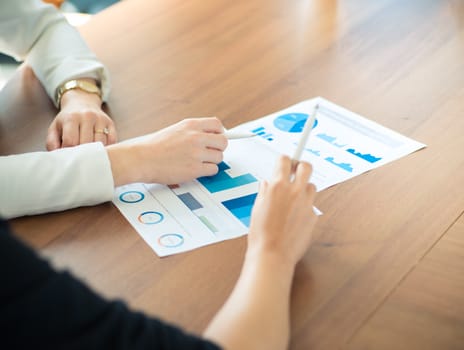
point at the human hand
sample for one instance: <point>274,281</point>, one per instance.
<point>283,219</point>
<point>80,120</point>
<point>176,154</point>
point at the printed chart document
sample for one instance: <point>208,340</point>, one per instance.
<point>181,217</point>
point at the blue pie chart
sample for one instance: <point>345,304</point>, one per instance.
<point>292,122</point>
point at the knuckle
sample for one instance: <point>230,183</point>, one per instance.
<point>216,121</point>
<point>67,141</point>
<point>304,167</point>
<point>307,166</point>
<point>283,158</point>
<point>89,114</point>
<point>72,118</point>
<point>217,157</point>
<point>310,168</point>
<point>225,143</point>
<point>189,122</point>
<point>212,169</point>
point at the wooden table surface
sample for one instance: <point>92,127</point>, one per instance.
<point>385,270</point>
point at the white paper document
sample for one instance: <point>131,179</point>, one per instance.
<point>181,217</point>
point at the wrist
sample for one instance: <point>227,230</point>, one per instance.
<point>121,167</point>
<point>83,91</point>
<point>276,262</point>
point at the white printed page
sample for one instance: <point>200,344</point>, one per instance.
<point>177,218</point>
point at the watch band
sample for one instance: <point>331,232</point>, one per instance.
<point>80,84</point>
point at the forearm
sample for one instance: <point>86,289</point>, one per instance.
<point>69,58</point>
<point>40,182</point>
<point>256,315</point>
<point>28,28</point>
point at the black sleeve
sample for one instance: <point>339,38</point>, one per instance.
<point>41,308</point>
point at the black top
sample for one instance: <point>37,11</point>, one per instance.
<point>41,308</point>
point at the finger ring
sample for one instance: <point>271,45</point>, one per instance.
<point>105,131</point>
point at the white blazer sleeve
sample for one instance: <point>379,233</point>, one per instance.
<point>37,32</point>
<point>40,182</point>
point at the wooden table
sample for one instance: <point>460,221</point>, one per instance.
<point>385,270</point>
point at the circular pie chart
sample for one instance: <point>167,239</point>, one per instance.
<point>171,240</point>
<point>131,197</point>
<point>292,122</point>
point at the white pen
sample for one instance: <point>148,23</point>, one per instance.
<point>305,135</point>
<point>233,135</point>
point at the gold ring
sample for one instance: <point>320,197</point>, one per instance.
<point>105,131</point>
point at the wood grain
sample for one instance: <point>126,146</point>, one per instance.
<point>426,310</point>
<point>383,235</point>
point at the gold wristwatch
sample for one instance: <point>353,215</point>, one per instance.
<point>80,84</point>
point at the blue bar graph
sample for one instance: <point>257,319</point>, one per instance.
<point>241,207</point>
<point>223,181</point>
<point>344,166</point>
<point>190,201</point>
<point>367,157</point>
<point>330,139</point>
<point>263,133</point>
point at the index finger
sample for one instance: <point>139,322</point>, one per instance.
<point>213,125</point>
<point>302,173</point>
<point>283,169</point>
<point>216,141</point>
<point>53,137</point>
<point>70,133</point>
